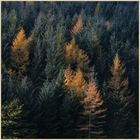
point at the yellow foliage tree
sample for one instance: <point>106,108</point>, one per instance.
<point>79,83</point>
<point>77,26</point>
<point>94,114</point>
<point>120,99</point>
<point>93,98</point>
<point>68,74</point>
<point>76,57</point>
<point>74,81</point>
<point>20,38</point>
<point>19,55</point>
<point>117,71</point>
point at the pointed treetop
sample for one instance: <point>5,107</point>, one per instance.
<point>117,66</point>
<point>20,38</point>
<point>77,26</point>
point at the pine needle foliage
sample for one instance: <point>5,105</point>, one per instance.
<point>50,53</point>
<point>97,9</point>
<point>14,124</point>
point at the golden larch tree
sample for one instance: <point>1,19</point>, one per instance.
<point>75,57</point>
<point>68,78</point>
<point>20,38</point>
<point>74,81</point>
<point>77,27</point>
<point>79,83</point>
<point>19,55</point>
<point>120,99</point>
<point>117,82</point>
<point>94,114</point>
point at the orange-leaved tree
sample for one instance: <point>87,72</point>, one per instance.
<point>68,81</point>
<point>77,27</point>
<point>75,57</point>
<point>74,81</point>
<point>19,55</point>
<point>79,83</point>
<point>117,82</point>
<point>120,100</point>
<point>93,118</point>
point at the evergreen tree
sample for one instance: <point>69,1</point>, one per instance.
<point>10,25</point>
<point>38,52</point>
<point>97,9</point>
<point>48,109</point>
<point>55,59</point>
<point>14,124</point>
<point>46,87</point>
<point>70,110</point>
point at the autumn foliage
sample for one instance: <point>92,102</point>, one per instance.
<point>77,26</point>
<point>68,81</point>
<point>120,99</point>
<point>93,97</point>
<point>74,81</point>
<point>76,57</point>
<point>19,55</point>
<point>69,70</point>
<point>79,83</point>
<point>94,113</point>
<point>117,82</point>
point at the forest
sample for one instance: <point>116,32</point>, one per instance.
<point>69,69</point>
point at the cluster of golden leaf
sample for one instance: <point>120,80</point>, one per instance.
<point>117,74</point>
<point>74,55</point>
<point>77,26</point>
<point>74,81</point>
<point>19,55</point>
<point>93,98</point>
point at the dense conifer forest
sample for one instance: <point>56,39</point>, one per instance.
<point>69,69</point>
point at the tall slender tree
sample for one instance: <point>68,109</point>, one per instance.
<point>93,118</point>
<point>120,101</point>
<point>14,123</point>
<point>20,55</point>
<point>77,27</point>
<point>76,57</point>
<point>75,81</point>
